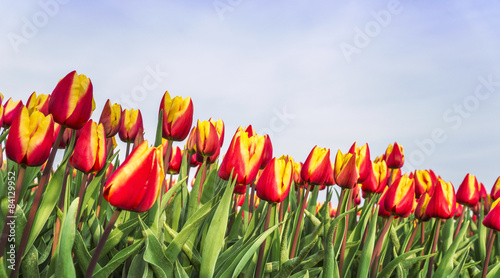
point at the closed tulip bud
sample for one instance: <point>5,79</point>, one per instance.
<point>362,160</point>
<point>131,122</point>
<point>483,194</point>
<point>244,155</point>
<point>268,152</point>
<point>422,207</point>
<point>381,203</point>
<point>443,202</point>
<point>400,197</point>
<point>10,109</point>
<point>329,180</point>
<point>72,102</point>
<point>40,103</point>
<point>191,141</point>
<point>207,139</point>
<point>495,190</point>
<point>90,153</point>
<point>346,173</point>
<point>377,179</point>
<point>174,165</point>
<point>219,126</point>
<point>460,210</point>
<point>30,138</point>
<point>394,156</point>
<point>297,168</point>
<point>468,192</point>
<point>110,118</point>
<point>177,117</point>
<point>491,219</point>
<point>425,181</point>
<point>136,184</point>
<point>274,183</point>
<point>317,167</point>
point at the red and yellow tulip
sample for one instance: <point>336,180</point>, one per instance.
<point>135,185</point>
<point>177,117</point>
<point>400,196</point>
<point>219,126</point>
<point>90,153</point>
<point>268,152</point>
<point>10,109</point>
<point>317,168</point>
<point>468,192</point>
<point>394,156</point>
<point>274,183</point>
<point>491,219</point>
<point>423,202</point>
<point>495,190</point>
<point>174,165</point>
<point>346,173</point>
<point>443,202</point>
<point>207,139</point>
<point>40,103</point>
<point>377,178</point>
<point>425,181</point>
<point>297,168</point>
<point>131,123</point>
<point>362,160</point>
<point>111,118</point>
<point>30,138</point>
<point>72,102</point>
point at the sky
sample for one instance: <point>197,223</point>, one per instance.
<point>425,74</point>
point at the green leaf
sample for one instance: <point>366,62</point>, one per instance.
<point>179,271</point>
<point>366,254</point>
<point>389,268</point>
<point>154,255</point>
<point>216,233</point>
<point>446,265</point>
<point>330,266</point>
<point>29,267</point>
<point>118,259</point>
<point>64,264</point>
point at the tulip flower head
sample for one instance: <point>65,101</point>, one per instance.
<point>267,153</point>
<point>111,118</point>
<point>90,153</point>
<point>394,156</point>
<point>191,141</point>
<point>131,122</point>
<point>177,117</point>
<point>317,168</point>
<point>219,126</point>
<point>346,173</point>
<point>30,138</point>
<point>297,168</point>
<point>400,197</point>
<point>443,202</point>
<point>274,183</point>
<point>136,184</point>
<point>425,181</point>
<point>491,219</point>
<point>40,103</point>
<point>422,207</point>
<point>175,161</point>
<point>72,102</point>
<point>10,109</point>
<point>207,139</point>
<point>377,178</point>
<point>468,192</point>
<point>495,190</point>
<point>381,204</point>
<point>362,160</point>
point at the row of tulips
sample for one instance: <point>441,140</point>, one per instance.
<point>251,215</point>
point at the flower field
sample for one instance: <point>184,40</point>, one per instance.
<point>166,211</point>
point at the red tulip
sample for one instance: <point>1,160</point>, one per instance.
<point>317,168</point>
<point>177,117</point>
<point>468,192</point>
<point>377,178</point>
<point>131,122</point>
<point>297,168</point>
<point>495,190</point>
<point>274,183</point>
<point>30,138</point>
<point>10,109</point>
<point>111,118</point>
<point>491,219</point>
<point>174,165</point>
<point>400,197</point>
<point>191,141</point>
<point>40,103</point>
<point>381,204</point>
<point>443,202</point>
<point>219,126</point>
<point>207,139</point>
<point>423,202</point>
<point>90,153</point>
<point>460,210</point>
<point>362,160</point>
<point>394,156</point>
<point>425,181</point>
<point>72,102</point>
<point>346,173</point>
<point>136,184</point>
<point>268,152</point>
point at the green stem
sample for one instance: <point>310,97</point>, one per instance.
<point>491,239</point>
<point>460,221</point>
<point>100,245</point>
<point>410,242</point>
<point>203,177</point>
<point>83,186</point>
<point>344,238</point>
<point>434,244</point>
<point>61,207</point>
<point>378,247</point>
<point>297,229</point>
<point>270,208</point>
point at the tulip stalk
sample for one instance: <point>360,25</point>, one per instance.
<point>10,212</point>
<point>460,221</point>
<point>297,229</point>
<point>270,208</point>
<point>252,200</point>
<point>378,247</point>
<point>434,244</point>
<point>102,241</point>
<point>344,239</point>
<point>83,186</point>
<point>491,239</point>
<point>61,207</point>
<point>203,177</point>
<point>412,238</point>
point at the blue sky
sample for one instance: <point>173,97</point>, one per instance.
<point>422,73</point>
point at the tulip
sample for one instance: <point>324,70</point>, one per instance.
<point>191,141</point>
<point>317,167</point>
<point>443,202</point>
<point>274,183</point>
<point>90,153</point>
<point>192,161</point>
<point>111,118</point>
<point>130,123</point>
<point>207,139</point>
<point>30,138</point>
<point>483,194</point>
<point>243,157</point>
<point>356,198</point>
<point>40,103</point>
<point>72,102</point>
<point>394,156</point>
<point>346,173</point>
<point>425,180</point>
<point>381,203</point>
<point>423,202</point>
<point>177,117</point>
<point>362,160</point>
<point>377,178</point>
<point>10,109</point>
<point>460,211</point>
<point>135,185</point>
<point>175,161</point>
<point>400,197</point>
<point>268,152</point>
<point>491,221</point>
<point>297,167</point>
<point>240,189</point>
<point>468,193</point>
<point>219,126</point>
